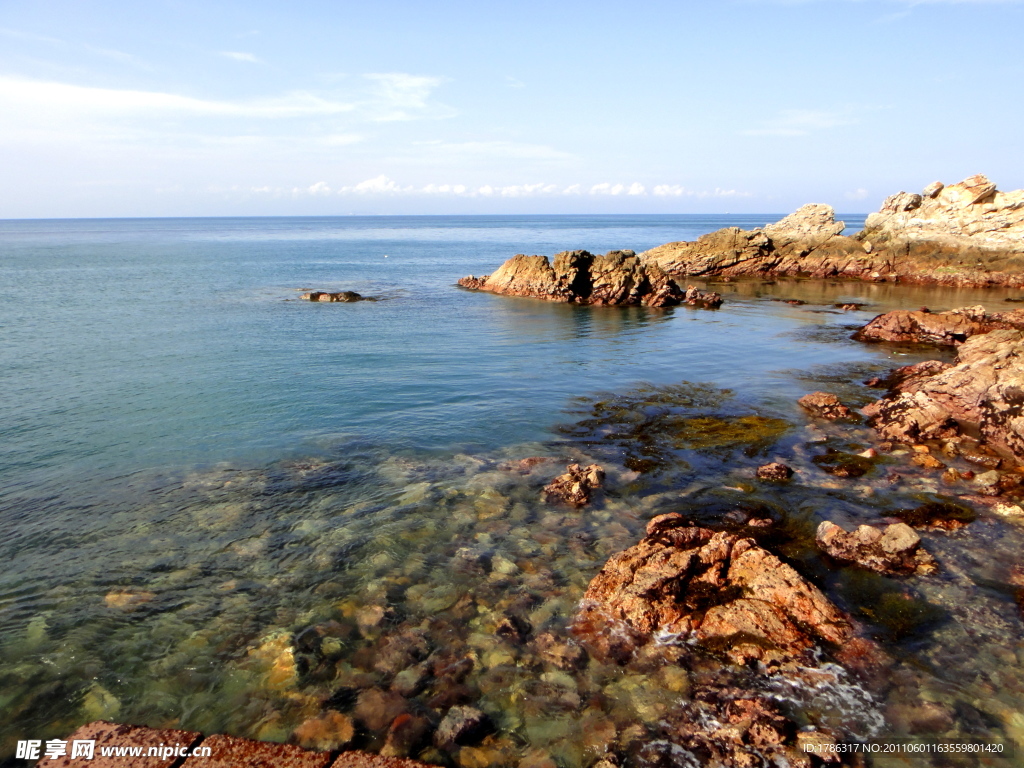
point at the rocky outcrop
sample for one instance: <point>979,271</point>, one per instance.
<point>695,297</point>
<point>964,234</point>
<point>580,277</point>
<point>943,328</point>
<point>981,394</point>
<point>344,296</point>
<point>894,550</point>
<point>719,589</point>
<point>576,486</point>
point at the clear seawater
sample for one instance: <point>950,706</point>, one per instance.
<point>143,362</point>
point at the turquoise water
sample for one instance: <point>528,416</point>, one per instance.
<point>178,428</point>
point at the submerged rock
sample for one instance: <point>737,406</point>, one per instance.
<point>776,471</point>
<point>576,486</point>
<point>697,298</point>
<point>944,328</point>
<point>580,277</point>
<point>825,406</point>
<point>719,588</point>
<point>460,726</point>
<point>894,550</point>
<point>979,394</point>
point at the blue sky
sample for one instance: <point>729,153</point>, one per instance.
<point>178,107</point>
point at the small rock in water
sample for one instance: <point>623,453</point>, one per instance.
<point>774,471</point>
<point>343,296</point>
<point>460,726</point>
<point>126,600</point>
<point>826,406</point>
<point>896,549</point>
<point>331,730</point>
<point>405,734</point>
<point>698,298</point>
<point>575,486</point>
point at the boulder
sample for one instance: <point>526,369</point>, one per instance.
<point>980,394</point>
<point>343,296</point>
<point>576,486</point>
<point>943,328</point>
<point>580,277</point>
<point>719,589</point>
<point>461,725</point>
<point>695,297</point>
<point>894,550</point>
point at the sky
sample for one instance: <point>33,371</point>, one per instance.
<point>255,108</point>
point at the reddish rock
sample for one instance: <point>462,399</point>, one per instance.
<point>377,709</point>
<point>330,731</point>
<point>233,752</point>
<point>114,735</point>
<point>576,486</point>
<point>944,328</point>
<point>825,406</point>
<point>775,471</point>
<point>717,587</point>
<point>979,395</point>
<point>894,550</point>
<point>405,734</point>
<point>580,277</point>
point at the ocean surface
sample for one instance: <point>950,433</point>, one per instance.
<point>145,363</point>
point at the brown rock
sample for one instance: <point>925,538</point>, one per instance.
<point>580,277</point>
<point>894,550</point>
<point>461,725</point>
<point>330,731</point>
<point>730,593</point>
<point>128,600</point>
<point>233,752</point>
<point>825,406</point>
<point>377,709</point>
<point>115,735</point>
<point>406,733</point>
<point>776,471</point>
<point>698,298</point>
<point>342,296</point>
<point>576,486</point>
<point>944,328</point>
<point>562,652</point>
<point>979,394</point>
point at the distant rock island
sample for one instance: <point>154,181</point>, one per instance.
<point>965,234</point>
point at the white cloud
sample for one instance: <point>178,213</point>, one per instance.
<point>573,189</point>
<point>378,185</point>
<point>400,96</point>
<point>636,188</point>
<point>857,194</point>
<point>799,122</point>
<point>320,188</point>
<point>669,190</point>
<point>240,56</point>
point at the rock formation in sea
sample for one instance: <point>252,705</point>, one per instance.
<point>719,588</point>
<point>944,328</point>
<point>343,296</point>
<point>896,549</point>
<point>980,395</point>
<point>580,277</point>
<point>963,234</point>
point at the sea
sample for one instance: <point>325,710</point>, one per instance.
<point>196,466</point>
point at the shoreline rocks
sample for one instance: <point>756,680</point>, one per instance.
<point>724,591</point>
<point>576,486</point>
<point>965,234</point>
<point>943,328</point>
<point>618,278</point>
<point>980,395</point>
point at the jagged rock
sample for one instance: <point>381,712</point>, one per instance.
<point>825,406</point>
<point>979,394</point>
<point>576,486</point>
<point>963,234</point>
<point>896,549</point>
<point>946,328</point>
<point>461,725</point>
<point>580,277</point>
<point>719,588</point>
<point>343,296</point>
<point>775,471</point>
<point>331,730</point>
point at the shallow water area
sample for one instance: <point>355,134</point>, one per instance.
<point>232,511</point>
